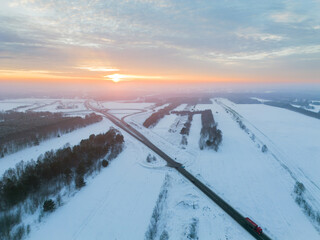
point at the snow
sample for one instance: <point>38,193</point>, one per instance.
<point>120,113</point>
<point>116,204</point>
<point>64,106</point>
<point>161,107</point>
<point>260,99</point>
<point>251,181</point>
<point>316,108</point>
<point>184,203</point>
<point>194,135</point>
<point>5,106</point>
<point>296,136</point>
<point>43,104</point>
<point>125,105</point>
<point>181,107</point>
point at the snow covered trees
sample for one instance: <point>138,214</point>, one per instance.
<point>22,129</point>
<point>49,205</point>
<point>303,202</point>
<point>155,117</point>
<point>210,136</point>
<point>151,158</point>
<point>28,184</point>
<point>264,148</point>
<point>105,163</point>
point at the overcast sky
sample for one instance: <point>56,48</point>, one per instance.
<point>212,40</point>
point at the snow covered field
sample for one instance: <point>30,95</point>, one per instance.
<point>119,202</point>
<point>116,204</point>
<point>125,105</point>
<point>251,181</point>
<point>42,104</point>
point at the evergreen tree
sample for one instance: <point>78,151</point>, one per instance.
<point>48,205</point>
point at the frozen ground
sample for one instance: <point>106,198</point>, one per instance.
<point>116,204</point>
<point>125,105</point>
<point>120,201</point>
<point>42,104</point>
<point>184,213</point>
<point>297,136</point>
<point>251,181</point>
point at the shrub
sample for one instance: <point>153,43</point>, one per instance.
<point>164,235</point>
<point>264,148</point>
<point>299,188</point>
<point>7,221</point>
<point>105,163</point>
<point>48,205</point>
<point>79,181</point>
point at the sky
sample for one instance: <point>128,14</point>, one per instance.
<point>160,41</point>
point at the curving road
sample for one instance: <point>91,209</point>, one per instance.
<point>179,167</point>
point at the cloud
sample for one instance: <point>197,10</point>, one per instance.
<point>99,69</point>
<point>287,17</point>
<point>301,50</point>
<point>254,34</point>
<point>155,36</point>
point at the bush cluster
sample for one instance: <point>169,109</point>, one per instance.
<point>22,129</point>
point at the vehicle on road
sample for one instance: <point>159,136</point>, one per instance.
<point>254,226</point>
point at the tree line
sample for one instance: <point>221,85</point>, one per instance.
<point>210,135</point>
<point>24,129</point>
<point>31,183</point>
<point>295,109</point>
<point>156,116</point>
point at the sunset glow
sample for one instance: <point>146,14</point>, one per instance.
<point>99,69</point>
<point>174,41</point>
<point>119,77</point>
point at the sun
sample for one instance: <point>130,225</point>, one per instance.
<point>115,77</point>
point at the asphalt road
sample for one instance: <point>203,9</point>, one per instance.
<point>179,167</point>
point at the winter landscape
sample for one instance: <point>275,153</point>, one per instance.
<point>159,120</point>
<point>260,159</point>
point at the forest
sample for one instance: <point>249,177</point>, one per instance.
<point>31,184</point>
<point>19,130</point>
<point>156,116</point>
<point>295,109</point>
<point>210,135</point>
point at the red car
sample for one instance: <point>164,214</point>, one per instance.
<point>254,226</point>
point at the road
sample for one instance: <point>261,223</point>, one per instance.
<point>179,167</point>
